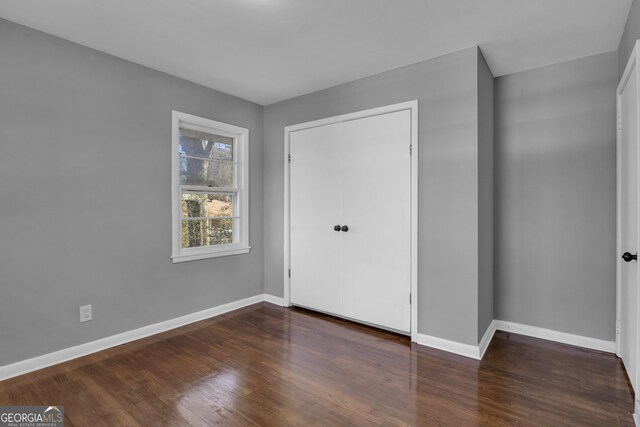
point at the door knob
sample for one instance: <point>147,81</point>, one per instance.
<point>337,228</point>
<point>628,257</point>
<point>345,228</point>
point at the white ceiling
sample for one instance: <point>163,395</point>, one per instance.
<point>269,50</point>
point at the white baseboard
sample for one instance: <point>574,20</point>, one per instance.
<point>486,339</point>
<point>636,413</point>
<point>455,347</point>
<point>477,352</point>
<point>67,354</point>
<point>551,335</point>
<point>274,300</point>
<point>467,350</point>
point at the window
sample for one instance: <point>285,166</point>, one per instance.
<point>210,194</point>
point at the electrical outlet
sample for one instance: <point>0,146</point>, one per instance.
<point>85,313</point>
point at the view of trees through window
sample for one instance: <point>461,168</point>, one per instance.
<point>206,160</point>
<point>206,219</point>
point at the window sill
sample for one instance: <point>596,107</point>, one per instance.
<point>205,255</point>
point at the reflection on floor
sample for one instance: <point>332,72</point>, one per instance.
<point>265,365</point>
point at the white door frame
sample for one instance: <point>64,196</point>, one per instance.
<point>412,106</point>
<point>631,65</point>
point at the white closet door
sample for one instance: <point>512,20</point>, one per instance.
<point>629,227</point>
<point>316,208</point>
<point>377,201</point>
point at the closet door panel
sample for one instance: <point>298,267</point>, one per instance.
<point>377,202</point>
<point>316,208</point>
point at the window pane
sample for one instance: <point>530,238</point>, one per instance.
<point>203,172</point>
<point>199,205</point>
<point>198,233</point>
<point>205,145</point>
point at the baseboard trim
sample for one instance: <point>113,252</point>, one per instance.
<point>473,351</point>
<point>477,352</point>
<point>274,300</point>
<point>64,355</point>
<point>557,336</point>
<point>486,339</point>
<point>455,347</point>
<point>467,350</point>
<point>636,413</point>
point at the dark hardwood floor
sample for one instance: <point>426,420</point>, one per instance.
<point>265,365</point>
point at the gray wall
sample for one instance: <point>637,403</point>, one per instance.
<point>85,146</point>
<point>85,193</point>
<point>629,37</point>
<point>555,196</point>
<point>485,195</point>
<point>446,88</point>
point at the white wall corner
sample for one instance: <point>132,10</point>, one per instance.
<point>557,336</point>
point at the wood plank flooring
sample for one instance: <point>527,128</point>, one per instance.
<point>268,366</point>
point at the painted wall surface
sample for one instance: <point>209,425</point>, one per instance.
<point>85,196</point>
<point>446,88</point>
<point>556,197</point>
<point>629,37</point>
<point>85,213</point>
<point>485,195</point>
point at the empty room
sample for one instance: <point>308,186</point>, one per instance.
<point>327,213</point>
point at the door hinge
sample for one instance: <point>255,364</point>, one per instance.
<point>289,272</point>
<point>619,123</point>
<point>409,298</point>
<point>411,149</point>
<point>289,158</point>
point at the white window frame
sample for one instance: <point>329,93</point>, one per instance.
<point>241,189</point>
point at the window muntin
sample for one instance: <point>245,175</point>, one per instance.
<point>210,194</point>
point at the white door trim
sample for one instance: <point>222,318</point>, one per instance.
<point>412,106</point>
<point>631,65</point>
